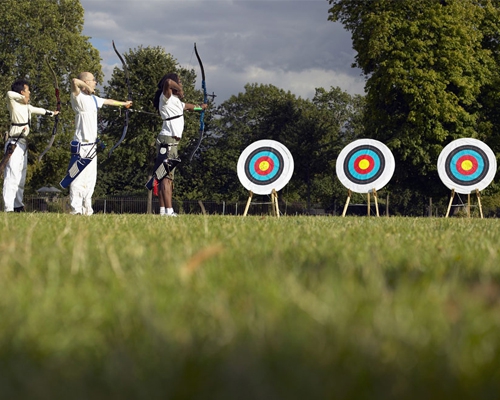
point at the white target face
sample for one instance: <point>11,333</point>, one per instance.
<point>265,165</point>
<point>365,165</point>
<point>466,165</point>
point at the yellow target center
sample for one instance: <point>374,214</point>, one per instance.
<point>264,166</point>
<point>467,165</point>
<point>364,164</point>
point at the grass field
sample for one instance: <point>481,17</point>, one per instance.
<point>214,307</point>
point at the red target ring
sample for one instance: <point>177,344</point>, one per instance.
<point>467,165</point>
<point>364,164</point>
<point>264,165</point>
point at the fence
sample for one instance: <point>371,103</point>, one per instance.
<point>139,205</point>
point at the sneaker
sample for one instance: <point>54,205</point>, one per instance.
<point>170,215</point>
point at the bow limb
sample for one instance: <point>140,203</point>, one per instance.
<point>58,108</point>
<point>205,99</point>
<point>129,97</point>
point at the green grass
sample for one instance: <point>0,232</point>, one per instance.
<point>137,306</point>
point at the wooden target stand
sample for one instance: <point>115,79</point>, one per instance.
<point>478,195</point>
<point>274,202</point>
<point>375,197</point>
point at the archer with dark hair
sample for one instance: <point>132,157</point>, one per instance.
<point>168,102</point>
<point>18,86</point>
<point>15,161</point>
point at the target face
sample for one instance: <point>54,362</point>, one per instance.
<point>265,165</point>
<point>467,165</point>
<point>365,165</point>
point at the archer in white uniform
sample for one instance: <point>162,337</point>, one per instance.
<point>15,170</point>
<point>86,104</point>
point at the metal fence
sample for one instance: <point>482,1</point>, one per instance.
<point>139,205</point>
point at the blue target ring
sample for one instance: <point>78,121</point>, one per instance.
<point>266,176</point>
<point>352,160</point>
<point>374,172</point>
<point>253,167</point>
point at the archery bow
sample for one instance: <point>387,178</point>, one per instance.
<point>56,118</point>
<point>129,97</point>
<point>205,99</point>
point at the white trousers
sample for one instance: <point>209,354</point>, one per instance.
<point>15,177</point>
<point>82,188</point>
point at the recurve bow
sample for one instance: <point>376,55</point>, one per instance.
<point>205,99</point>
<point>56,118</point>
<point>129,97</point>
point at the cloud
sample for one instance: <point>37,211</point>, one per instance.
<point>301,83</point>
<point>287,43</point>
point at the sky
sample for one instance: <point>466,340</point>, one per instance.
<point>286,43</point>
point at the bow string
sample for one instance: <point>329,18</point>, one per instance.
<point>58,108</point>
<point>129,97</point>
<point>205,100</point>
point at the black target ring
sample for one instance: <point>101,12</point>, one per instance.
<point>267,156</point>
<point>378,166</point>
<point>454,173</point>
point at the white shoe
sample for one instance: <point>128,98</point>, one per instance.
<point>170,215</point>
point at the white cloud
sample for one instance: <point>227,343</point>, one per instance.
<point>286,43</point>
<point>300,83</point>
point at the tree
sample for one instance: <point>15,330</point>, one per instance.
<point>34,33</point>
<point>313,131</point>
<point>338,115</point>
<point>426,64</point>
<point>239,123</point>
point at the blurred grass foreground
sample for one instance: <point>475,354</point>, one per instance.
<point>221,307</point>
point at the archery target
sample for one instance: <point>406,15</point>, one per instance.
<point>465,165</point>
<point>265,165</point>
<point>365,165</point>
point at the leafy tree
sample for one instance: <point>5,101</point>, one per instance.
<point>34,33</point>
<point>341,117</point>
<point>426,64</point>
<point>313,131</point>
<point>490,94</point>
<point>212,173</point>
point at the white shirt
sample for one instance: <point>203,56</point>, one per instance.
<point>20,113</point>
<point>85,107</point>
<point>170,108</point>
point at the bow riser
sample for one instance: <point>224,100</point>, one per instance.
<point>205,100</point>
<point>129,97</point>
<point>56,118</point>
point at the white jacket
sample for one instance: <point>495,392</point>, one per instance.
<point>20,113</point>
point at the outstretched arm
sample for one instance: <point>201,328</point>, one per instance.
<point>111,102</point>
<point>195,107</point>
<point>41,111</point>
